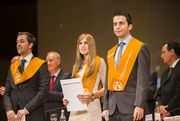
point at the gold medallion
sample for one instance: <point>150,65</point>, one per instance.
<point>17,77</point>
<point>117,86</point>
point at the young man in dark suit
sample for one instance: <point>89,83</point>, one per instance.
<point>128,74</point>
<point>27,84</point>
<point>54,102</point>
<point>169,92</point>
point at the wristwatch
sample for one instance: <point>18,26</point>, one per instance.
<point>92,97</point>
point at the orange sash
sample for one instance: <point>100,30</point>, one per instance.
<point>88,82</point>
<point>117,79</point>
<point>29,71</point>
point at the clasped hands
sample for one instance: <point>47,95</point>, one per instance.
<point>13,117</point>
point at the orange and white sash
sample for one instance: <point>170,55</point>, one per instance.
<point>117,78</point>
<point>88,82</point>
<point>29,71</point>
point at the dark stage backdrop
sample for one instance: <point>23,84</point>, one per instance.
<point>16,15</point>
<point>60,22</point>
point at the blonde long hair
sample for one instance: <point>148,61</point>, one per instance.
<point>91,55</point>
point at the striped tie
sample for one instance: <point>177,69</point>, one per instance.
<point>21,67</point>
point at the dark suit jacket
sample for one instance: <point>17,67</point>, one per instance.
<point>135,93</point>
<point>169,91</point>
<point>151,91</point>
<point>55,97</point>
<point>2,111</point>
<point>29,94</point>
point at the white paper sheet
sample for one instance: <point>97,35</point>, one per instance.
<point>23,118</point>
<point>149,117</point>
<point>71,88</point>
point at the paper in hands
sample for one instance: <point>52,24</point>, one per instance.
<point>23,118</point>
<point>71,88</point>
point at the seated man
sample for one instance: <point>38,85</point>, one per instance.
<point>54,102</point>
<point>169,92</point>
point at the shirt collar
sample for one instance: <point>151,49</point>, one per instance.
<point>28,57</point>
<point>56,74</point>
<point>175,62</point>
<point>126,40</point>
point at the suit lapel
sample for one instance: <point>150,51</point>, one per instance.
<point>172,73</point>
<point>167,78</point>
<point>57,79</point>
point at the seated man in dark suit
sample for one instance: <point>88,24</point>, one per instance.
<point>169,92</point>
<point>54,103</point>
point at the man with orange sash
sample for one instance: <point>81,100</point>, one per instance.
<point>27,84</point>
<point>128,74</point>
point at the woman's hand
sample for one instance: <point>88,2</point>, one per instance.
<point>85,99</point>
<point>65,101</point>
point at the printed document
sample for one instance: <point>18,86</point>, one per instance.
<point>71,89</point>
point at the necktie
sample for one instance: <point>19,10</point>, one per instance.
<point>119,54</point>
<point>21,67</point>
<point>170,70</point>
<point>52,81</point>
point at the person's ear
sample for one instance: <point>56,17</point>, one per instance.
<point>130,27</point>
<point>30,45</point>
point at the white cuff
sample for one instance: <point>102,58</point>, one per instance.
<point>26,110</point>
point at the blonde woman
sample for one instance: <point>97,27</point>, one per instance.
<point>92,70</point>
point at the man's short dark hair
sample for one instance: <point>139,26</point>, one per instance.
<point>123,13</point>
<point>173,45</point>
<point>30,37</point>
